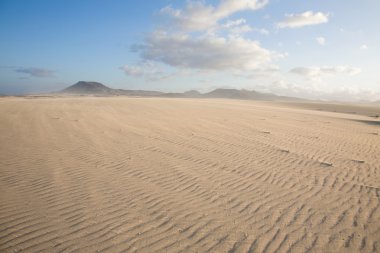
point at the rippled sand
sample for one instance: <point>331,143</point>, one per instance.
<point>186,175</point>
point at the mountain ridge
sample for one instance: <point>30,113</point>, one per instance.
<point>99,89</point>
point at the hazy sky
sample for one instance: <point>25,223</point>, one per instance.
<point>328,49</point>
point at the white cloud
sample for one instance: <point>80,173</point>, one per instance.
<point>317,72</point>
<point>236,26</point>
<point>197,16</point>
<point>233,23</point>
<point>303,19</point>
<point>206,52</point>
<point>321,41</point>
<point>239,26</point>
<point>364,47</point>
<point>320,91</point>
<point>241,29</point>
<point>202,37</point>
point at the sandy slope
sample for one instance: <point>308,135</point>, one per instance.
<point>182,175</point>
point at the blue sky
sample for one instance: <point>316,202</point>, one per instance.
<point>315,49</point>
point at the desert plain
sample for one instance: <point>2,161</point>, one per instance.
<point>122,174</point>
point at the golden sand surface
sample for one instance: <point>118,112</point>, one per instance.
<point>125,174</point>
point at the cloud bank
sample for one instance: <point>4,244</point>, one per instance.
<point>208,52</point>
<point>321,91</point>
<point>213,39</point>
<point>201,37</point>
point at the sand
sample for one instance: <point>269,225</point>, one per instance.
<point>366,109</point>
<point>186,175</point>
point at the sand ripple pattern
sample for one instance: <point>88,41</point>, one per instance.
<point>184,175</point>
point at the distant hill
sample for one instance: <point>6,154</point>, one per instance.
<point>238,94</point>
<point>88,88</point>
<point>139,93</point>
<point>187,94</point>
<point>247,95</point>
<point>98,89</point>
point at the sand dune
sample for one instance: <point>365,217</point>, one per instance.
<point>186,175</point>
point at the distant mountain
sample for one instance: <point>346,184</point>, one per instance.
<point>187,94</point>
<point>238,94</point>
<point>139,93</point>
<point>192,93</point>
<point>88,88</point>
<point>247,95</point>
<point>98,89</point>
